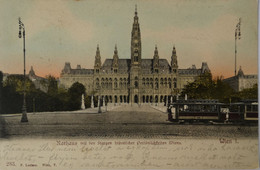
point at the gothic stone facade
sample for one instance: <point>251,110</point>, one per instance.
<point>134,80</point>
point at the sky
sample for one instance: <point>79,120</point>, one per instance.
<point>59,31</point>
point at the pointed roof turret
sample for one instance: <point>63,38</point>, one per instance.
<point>135,10</point>
<point>155,60</point>
<point>136,17</point>
<point>156,52</point>
<point>174,62</point>
<point>115,58</point>
<point>97,59</point>
<point>31,72</point>
<point>97,52</point>
<point>173,50</point>
<point>240,72</point>
<point>115,51</point>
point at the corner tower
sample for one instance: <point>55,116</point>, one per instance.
<point>174,62</point>
<point>115,60</point>
<point>156,60</point>
<point>97,65</point>
<point>136,50</point>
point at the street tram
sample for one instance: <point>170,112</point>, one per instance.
<point>212,111</point>
<point>246,111</point>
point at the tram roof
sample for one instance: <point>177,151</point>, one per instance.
<point>198,102</point>
<point>244,103</point>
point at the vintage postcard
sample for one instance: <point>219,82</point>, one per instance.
<point>134,84</point>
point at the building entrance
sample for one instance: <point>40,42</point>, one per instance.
<point>136,99</point>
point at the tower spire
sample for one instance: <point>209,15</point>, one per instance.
<point>136,49</point>
<point>98,47</point>
<point>115,60</point>
<point>97,65</point>
<point>174,62</point>
<point>115,52</point>
<point>135,10</point>
<point>173,50</point>
<point>155,51</point>
<point>155,60</point>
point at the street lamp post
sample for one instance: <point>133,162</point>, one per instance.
<point>24,115</point>
<point>237,36</point>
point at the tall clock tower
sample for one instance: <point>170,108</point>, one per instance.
<point>136,50</point>
<point>135,71</point>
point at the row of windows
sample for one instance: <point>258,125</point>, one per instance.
<point>108,85</point>
<point>145,99</point>
<point>123,83</point>
<point>156,84</point>
<point>136,78</point>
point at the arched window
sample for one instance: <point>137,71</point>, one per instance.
<point>147,82</point>
<point>165,82</point>
<point>161,82</point>
<point>102,83</point>
<point>115,83</point>
<point>151,83</point>
<point>174,83</point>
<point>110,83</point>
<point>106,83</point>
<point>97,83</point>
<point>170,83</point>
<point>136,82</point>
<point>156,84</point>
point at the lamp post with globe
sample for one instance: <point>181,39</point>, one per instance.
<point>22,28</point>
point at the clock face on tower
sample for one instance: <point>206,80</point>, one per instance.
<point>135,41</point>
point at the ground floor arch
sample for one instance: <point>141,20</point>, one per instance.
<point>136,99</point>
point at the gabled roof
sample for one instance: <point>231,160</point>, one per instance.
<point>125,64</point>
<point>81,71</point>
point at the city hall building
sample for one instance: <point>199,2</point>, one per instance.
<point>133,79</point>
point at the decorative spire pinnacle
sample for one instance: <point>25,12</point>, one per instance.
<point>98,52</point>
<point>174,62</point>
<point>174,50</point>
<point>155,51</point>
<point>135,9</point>
<point>115,57</point>
<point>31,72</point>
<point>115,52</point>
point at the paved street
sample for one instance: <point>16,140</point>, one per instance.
<point>122,121</point>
